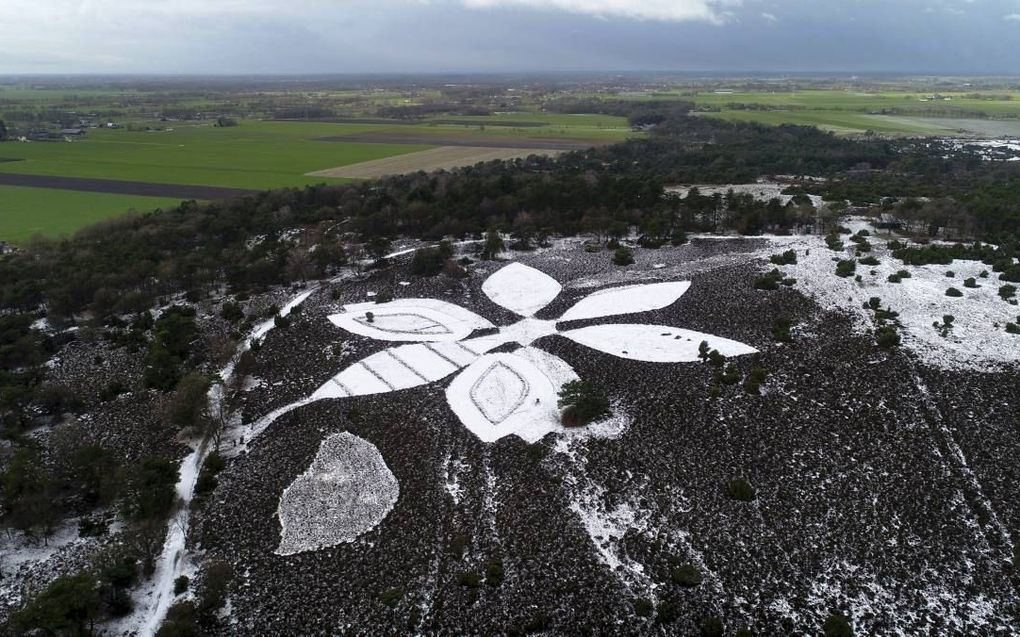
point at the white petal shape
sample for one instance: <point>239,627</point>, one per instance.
<point>504,394</point>
<point>653,343</point>
<point>419,320</point>
<point>347,491</point>
<point>628,299</point>
<point>406,366</point>
<point>521,289</point>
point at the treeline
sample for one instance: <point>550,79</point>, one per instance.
<point>428,109</point>
<point>638,114</point>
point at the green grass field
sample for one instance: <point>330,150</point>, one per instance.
<point>847,112</point>
<point>255,155</point>
<point>259,154</point>
<point>26,212</point>
<point>841,122</point>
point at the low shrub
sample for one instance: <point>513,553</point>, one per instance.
<point>887,337</point>
<point>686,575</point>
<point>623,256</point>
<point>837,625</point>
<point>740,489</point>
<point>181,584</point>
<point>582,403</point>
<point>953,292</point>
<point>781,330</point>
<point>786,258</point>
<point>711,627</point>
<point>846,268</point>
<point>769,281</point>
<point>391,596</point>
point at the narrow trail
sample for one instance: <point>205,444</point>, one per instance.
<point>995,532</point>
<point>153,599</point>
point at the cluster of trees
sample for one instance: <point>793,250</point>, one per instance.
<point>39,492</point>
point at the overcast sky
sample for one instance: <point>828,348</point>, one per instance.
<point>357,36</point>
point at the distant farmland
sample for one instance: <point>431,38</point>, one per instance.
<point>196,160</point>
<point>442,158</point>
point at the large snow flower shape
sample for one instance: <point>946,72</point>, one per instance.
<point>498,394</point>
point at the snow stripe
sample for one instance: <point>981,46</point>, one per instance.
<point>376,374</point>
<point>430,347</point>
<point>407,365</point>
<point>341,386</point>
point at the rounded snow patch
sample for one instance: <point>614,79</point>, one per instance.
<point>346,492</point>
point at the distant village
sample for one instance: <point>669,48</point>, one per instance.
<point>64,134</point>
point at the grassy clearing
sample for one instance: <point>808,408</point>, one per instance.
<point>26,212</point>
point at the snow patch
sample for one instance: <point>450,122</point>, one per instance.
<point>346,492</point>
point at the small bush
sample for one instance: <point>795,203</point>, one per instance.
<point>754,380</point>
<point>846,268</point>
<point>870,260</point>
<point>950,274</point>
<point>469,580</point>
<point>953,292</point>
<point>834,243</point>
<point>786,258</point>
<point>643,607</point>
<point>667,613</point>
<point>1013,328</point>
<point>582,403</point>
<point>391,596</point>
<point>1007,292</point>
<point>887,337</point>
<point>232,312</point>
<point>971,283</point>
<point>1011,274</point>
<point>623,256</point>
<point>686,575</point>
<point>837,625</point>
<point>494,572</point>
<point>740,490</point>
<point>459,544</point>
<point>769,281</point>
<point>181,585</point>
<point>711,627</point>
<point>781,331</point>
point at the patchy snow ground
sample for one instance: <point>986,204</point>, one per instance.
<point>978,340</point>
<point>347,491</point>
<point>761,191</point>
